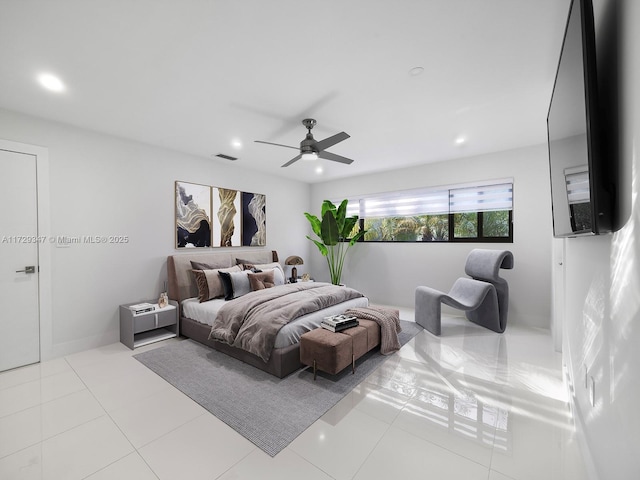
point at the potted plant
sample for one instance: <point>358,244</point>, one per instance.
<point>333,230</point>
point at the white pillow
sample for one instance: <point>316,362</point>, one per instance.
<point>278,274</point>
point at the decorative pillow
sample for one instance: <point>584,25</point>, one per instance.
<point>240,261</point>
<point>262,280</point>
<point>208,266</point>
<point>278,274</point>
<point>235,284</point>
<point>209,284</point>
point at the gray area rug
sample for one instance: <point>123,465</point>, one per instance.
<point>268,411</point>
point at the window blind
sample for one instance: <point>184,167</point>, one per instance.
<point>404,204</point>
<point>434,201</point>
<point>485,198</point>
<point>353,208</point>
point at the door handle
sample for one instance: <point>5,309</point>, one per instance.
<point>27,269</point>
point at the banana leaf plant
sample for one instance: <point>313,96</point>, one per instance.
<point>333,231</point>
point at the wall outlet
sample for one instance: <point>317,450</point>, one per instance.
<point>592,391</point>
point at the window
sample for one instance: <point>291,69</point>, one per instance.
<point>465,213</point>
<point>482,213</point>
<point>408,216</point>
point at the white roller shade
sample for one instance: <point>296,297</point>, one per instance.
<point>404,204</point>
<point>353,208</point>
<point>435,201</point>
<point>485,198</point>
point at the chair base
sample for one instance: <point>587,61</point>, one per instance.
<point>478,299</point>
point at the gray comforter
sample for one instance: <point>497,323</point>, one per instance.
<point>251,322</point>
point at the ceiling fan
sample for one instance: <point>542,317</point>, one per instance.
<point>310,149</point>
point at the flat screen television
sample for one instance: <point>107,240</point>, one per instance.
<point>581,190</point>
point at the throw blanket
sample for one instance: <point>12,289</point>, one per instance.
<point>251,322</point>
<point>389,322</point>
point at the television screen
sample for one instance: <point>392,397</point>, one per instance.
<point>578,177</point>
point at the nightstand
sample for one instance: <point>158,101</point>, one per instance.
<point>141,329</point>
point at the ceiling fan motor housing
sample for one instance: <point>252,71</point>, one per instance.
<point>308,145</point>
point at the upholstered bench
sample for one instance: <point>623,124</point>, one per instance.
<point>333,352</point>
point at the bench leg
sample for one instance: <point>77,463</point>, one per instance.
<point>353,364</point>
<point>315,369</point>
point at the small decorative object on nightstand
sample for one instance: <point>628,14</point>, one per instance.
<point>294,260</point>
<point>163,301</point>
<point>141,325</point>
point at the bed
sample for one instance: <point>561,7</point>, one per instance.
<point>285,356</point>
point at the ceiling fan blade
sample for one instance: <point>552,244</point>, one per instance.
<point>294,159</point>
<point>277,144</point>
<point>335,158</point>
<point>330,141</point>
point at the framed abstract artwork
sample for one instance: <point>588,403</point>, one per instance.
<point>254,219</point>
<point>193,215</point>
<point>226,217</point>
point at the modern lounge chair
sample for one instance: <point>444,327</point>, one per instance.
<point>484,297</point>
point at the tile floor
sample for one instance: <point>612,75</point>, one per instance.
<point>468,405</point>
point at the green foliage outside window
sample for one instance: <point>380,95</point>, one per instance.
<point>495,224</point>
<point>435,228</point>
<point>481,225</point>
<point>419,228</point>
<point>465,225</point>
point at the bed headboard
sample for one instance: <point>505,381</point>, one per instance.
<point>181,283</point>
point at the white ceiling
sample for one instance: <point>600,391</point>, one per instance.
<point>193,75</point>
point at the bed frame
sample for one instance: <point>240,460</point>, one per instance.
<point>282,362</point>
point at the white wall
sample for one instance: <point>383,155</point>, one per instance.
<point>602,275</point>
<point>103,185</point>
<point>390,272</point>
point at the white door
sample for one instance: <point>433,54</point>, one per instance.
<point>19,317</point>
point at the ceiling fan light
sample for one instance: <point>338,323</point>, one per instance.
<point>309,156</point>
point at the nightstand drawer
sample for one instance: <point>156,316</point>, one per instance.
<point>149,321</point>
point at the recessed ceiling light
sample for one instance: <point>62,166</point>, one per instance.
<point>461,140</point>
<point>237,144</point>
<point>51,82</point>
<point>415,71</point>
<point>319,170</point>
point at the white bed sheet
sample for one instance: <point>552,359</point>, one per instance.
<point>206,312</point>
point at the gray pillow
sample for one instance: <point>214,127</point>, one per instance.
<point>235,284</point>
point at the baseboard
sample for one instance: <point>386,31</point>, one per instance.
<point>87,343</point>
